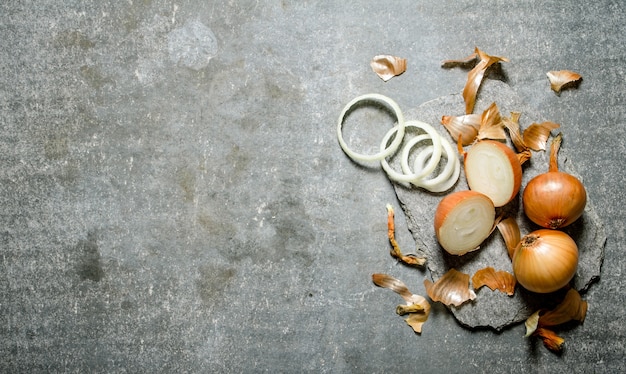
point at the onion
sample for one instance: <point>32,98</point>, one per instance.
<point>463,220</point>
<point>545,260</point>
<point>554,199</point>
<point>493,169</point>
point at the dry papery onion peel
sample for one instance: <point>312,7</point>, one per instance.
<point>540,323</point>
<point>451,289</point>
<point>470,128</point>
<point>563,79</point>
<point>463,128</point>
<point>424,173</point>
<point>494,279</point>
<point>409,259</point>
<point>417,306</point>
<point>510,231</point>
<point>476,75</point>
<point>387,67</point>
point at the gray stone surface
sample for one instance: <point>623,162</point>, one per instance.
<point>190,210</point>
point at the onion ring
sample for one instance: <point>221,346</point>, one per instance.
<point>404,177</point>
<point>421,167</point>
<point>447,178</point>
<point>419,164</point>
<point>436,154</point>
<point>385,151</point>
<point>431,134</point>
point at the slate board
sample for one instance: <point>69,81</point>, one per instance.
<point>495,309</point>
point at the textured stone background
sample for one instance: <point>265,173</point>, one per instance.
<point>174,198</point>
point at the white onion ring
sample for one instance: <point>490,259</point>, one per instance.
<point>436,154</point>
<point>451,171</point>
<point>419,164</point>
<point>421,168</point>
<point>403,177</point>
<point>385,151</point>
<point>431,134</point>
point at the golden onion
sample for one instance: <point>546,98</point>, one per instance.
<point>545,260</point>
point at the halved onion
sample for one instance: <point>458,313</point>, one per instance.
<point>493,169</point>
<point>463,220</point>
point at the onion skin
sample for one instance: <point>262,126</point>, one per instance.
<point>545,260</point>
<point>463,220</point>
<point>554,199</point>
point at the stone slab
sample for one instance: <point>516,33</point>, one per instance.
<point>492,308</point>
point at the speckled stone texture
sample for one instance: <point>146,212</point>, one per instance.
<point>174,198</point>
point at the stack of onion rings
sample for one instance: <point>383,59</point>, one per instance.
<point>426,161</point>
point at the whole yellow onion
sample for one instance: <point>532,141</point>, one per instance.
<point>545,260</point>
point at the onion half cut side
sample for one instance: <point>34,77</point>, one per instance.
<point>493,169</point>
<point>463,220</point>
